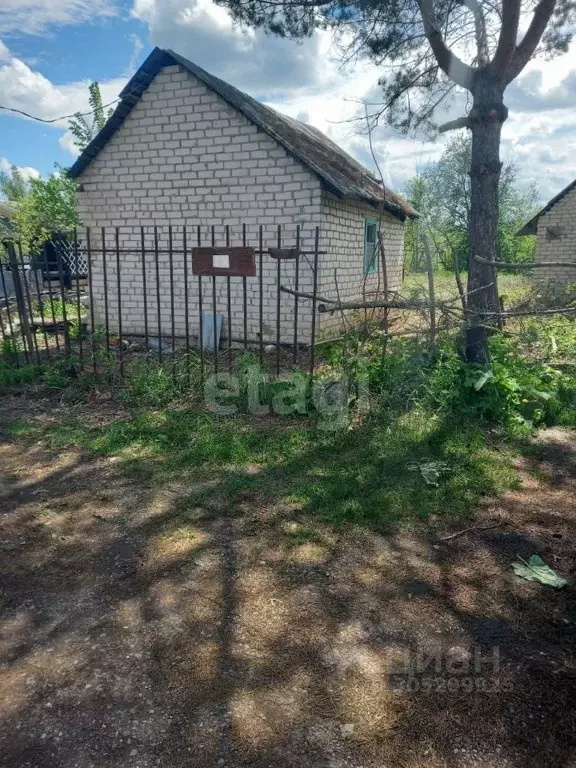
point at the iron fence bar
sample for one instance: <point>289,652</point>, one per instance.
<point>91,298</point>
<point>20,300</point>
<point>77,262</point>
<point>229,305</point>
<point>186,308</point>
<point>172,309</point>
<point>278,304</point>
<point>28,307</point>
<point>261,288</point>
<point>201,311</point>
<point>144,291</point>
<point>119,286</point>
<point>8,312</point>
<point>245,294</point>
<point>296,288</point>
<point>42,317</point>
<point>158,318</point>
<point>314,301</point>
<point>63,295</point>
<point>105,278</point>
<point>51,297</point>
<point>214,307</point>
<point>178,251</point>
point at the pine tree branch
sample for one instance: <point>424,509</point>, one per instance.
<point>507,39</point>
<point>525,50</point>
<point>459,72</point>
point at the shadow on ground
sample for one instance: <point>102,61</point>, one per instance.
<point>206,625</point>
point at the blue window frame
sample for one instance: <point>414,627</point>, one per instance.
<point>370,246</point>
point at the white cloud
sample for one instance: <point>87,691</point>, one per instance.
<point>26,171</point>
<point>24,89</point>
<point>4,52</point>
<point>36,16</point>
<point>256,62</point>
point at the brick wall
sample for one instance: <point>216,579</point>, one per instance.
<point>343,236</point>
<point>185,158</point>
<point>556,240</point>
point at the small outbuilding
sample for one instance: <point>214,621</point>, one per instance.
<point>555,230</point>
<point>186,152</point>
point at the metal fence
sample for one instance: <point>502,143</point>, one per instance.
<point>166,291</point>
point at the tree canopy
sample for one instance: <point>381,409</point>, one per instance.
<point>50,206</point>
<point>13,185</point>
<point>442,193</point>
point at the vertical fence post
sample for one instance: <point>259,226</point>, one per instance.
<point>229,306</point>
<point>314,302</point>
<point>278,298</point>
<point>61,280</point>
<point>29,319</point>
<point>172,308</point>
<point>91,297</point>
<point>158,311</point>
<point>105,276</point>
<point>214,308</point>
<point>78,303</point>
<point>119,294</point>
<point>200,311</point>
<point>245,295</point>
<point>186,307</point>
<point>42,316</point>
<point>20,300</point>
<point>51,298</point>
<point>261,290</point>
<point>144,291</point>
<point>296,288</point>
<point>8,312</point>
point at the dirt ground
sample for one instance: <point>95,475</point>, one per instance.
<point>225,640</point>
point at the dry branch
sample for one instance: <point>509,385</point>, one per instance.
<point>538,265</point>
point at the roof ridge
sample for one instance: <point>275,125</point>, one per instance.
<point>339,172</point>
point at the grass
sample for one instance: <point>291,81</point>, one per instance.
<point>369,476</point>
<point>512,287</point>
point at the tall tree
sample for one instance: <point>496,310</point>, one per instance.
<point>444,194</point>
<point>13,185</point>
<point>49,207</point>
<point>85,127</point>
<point>438,47</point>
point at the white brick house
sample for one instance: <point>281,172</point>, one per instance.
<point>555,230</point>
<point>183,149</point>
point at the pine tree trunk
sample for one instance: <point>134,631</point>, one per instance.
<point>486,118</point>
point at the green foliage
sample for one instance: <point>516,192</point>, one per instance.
<point>85,127</point>
<point>49,207</point>
<point>442,194</point>
<point>13,186</point>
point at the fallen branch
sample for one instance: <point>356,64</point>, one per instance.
<point>473,528</point>
<point>535,265</point>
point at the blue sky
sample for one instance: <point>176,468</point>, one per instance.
<point>50,50</point>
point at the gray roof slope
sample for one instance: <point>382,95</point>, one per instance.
<point>7,209</point>
<point>340,173</point>
<point>531,227</point>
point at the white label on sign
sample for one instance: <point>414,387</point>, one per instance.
<point>221,261</point>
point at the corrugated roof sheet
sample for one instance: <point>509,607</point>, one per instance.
<point>340,173</point>
<point>531,228</point>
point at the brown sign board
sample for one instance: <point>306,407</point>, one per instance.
<point>230,262</point>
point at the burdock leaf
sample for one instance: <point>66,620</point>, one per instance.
<point>537,570</point>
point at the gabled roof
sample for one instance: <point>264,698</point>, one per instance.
<point>531,228</point>
<point>340,173</point>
